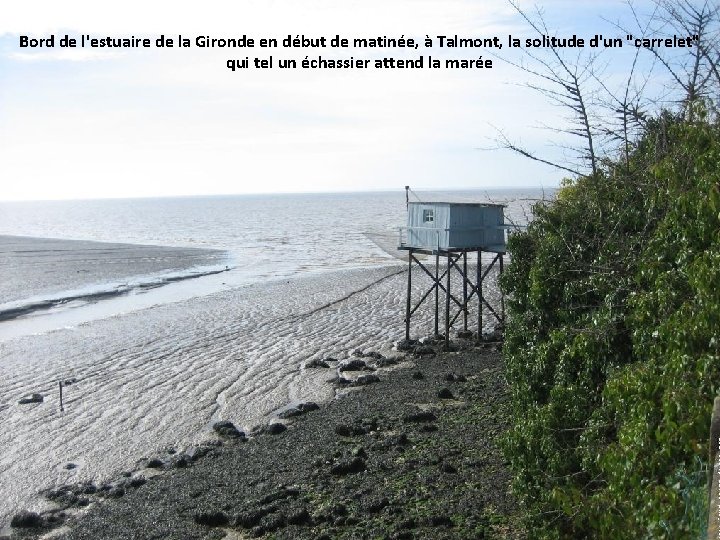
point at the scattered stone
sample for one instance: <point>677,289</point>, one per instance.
<point>375,355</point>
<point>454,377</point>
<point>355,465</point>
<point>358,353</point>
<point>447,468</point>
<point>26,519</point>
<point>280,494</point>
<point>117,492</point>
<point>225,428</point>
<point>317,364</point>
<point>423,350</point>
<point>418,376</point>
<point>68,382</point>
<point>70,466</point>
<point>445,393</point>
<point>440,521</point>
<point>349,431</point>
<point>364,380</point>
<point>155,463</point>
<point>386,362</point>
<point>340,381</point>
<point>423,416</point>
<point>352,365</point>
<point>212,519</point>
<point>32,398</point>
<point>309,406</point>
<point>249,519</point>
<point>137,481</point>
<point>406,345</point>
<point>275,428</point>
<point>376,505</point>
<point>301,517</point>
<point>300,409</point>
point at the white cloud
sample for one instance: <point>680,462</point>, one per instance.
<point>106,122</point>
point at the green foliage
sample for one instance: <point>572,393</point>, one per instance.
<point>613,342</point>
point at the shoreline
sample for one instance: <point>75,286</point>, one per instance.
<point>405,456</point>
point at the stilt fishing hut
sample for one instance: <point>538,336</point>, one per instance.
<point>450,231</point>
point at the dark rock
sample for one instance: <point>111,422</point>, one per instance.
<point>155,463</point>
<point>447,468</point>
<point>440,521</point>
<point>32,398</point>
<point>249,519</point>
<point>355,465</point>
<point>275,428</point>
<point>317,364</point>
<point>181,462</point>
<point>423,416</point>
<point>364,380</point>
<point>375,355</point>
<point>406,345</point>
<point>454,377</point>
<point>445,393</point>
<point>68,382</point>
<point>352,365</point>
<point>290,413</point>
<point>397,440</point>
<point>225,428</point>
<point>280,494</point>
<point>339,509</point>
<point>117,492</point>
<point>376,505</point>
<point>212,519</point>
<point>90,489</point>
<point>418,376</point>
<point>196,452</point>
<point>341,381</point>
<point>409,523</point>
<point>25,520</point>
<point>349,431</point>
<point>272,523</point>
<point>300,409</point>
<point>309,406</point>
<point>358,353</point>
<point>423,350</point>
<point>301,517</point>
<point>385,362</point>
<point>70,466</point>
<point>137,481</point>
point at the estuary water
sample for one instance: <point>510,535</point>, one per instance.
<point>170,314</point>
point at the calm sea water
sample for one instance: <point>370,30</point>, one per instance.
<point>264,236</point>
<point>155,369</point>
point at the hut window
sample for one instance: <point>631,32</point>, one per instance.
<point>428,215</point>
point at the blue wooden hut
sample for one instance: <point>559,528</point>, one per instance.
<point>449,226</point>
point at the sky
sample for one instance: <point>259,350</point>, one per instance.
<point>95,123</point>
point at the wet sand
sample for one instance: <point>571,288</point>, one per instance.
<point>412,455</point>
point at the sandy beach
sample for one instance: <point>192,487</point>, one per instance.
<point>410,452</point>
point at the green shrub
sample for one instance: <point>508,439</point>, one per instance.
<point>613,342</point>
